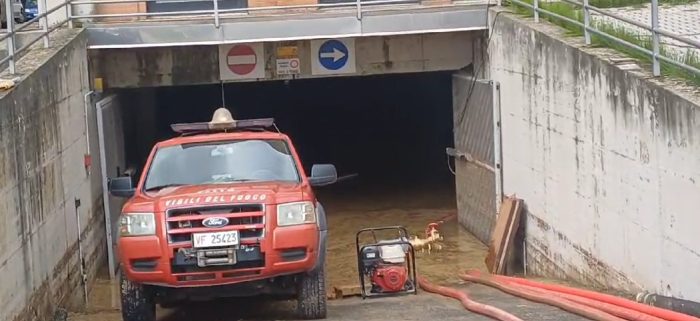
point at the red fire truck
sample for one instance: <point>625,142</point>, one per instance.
<point>223,210</point>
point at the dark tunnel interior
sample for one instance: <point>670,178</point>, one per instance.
<point>391,130</point>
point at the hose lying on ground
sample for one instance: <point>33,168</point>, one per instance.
<point>625,313</point>
<point>650,310</point>
<point>470,305</point>
<point>593,305</point>
<point>582,310</point>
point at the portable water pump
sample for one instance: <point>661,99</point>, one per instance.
<point>388,264</point>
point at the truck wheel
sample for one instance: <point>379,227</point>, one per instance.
<point>137,302</point>
<point>311,300</point>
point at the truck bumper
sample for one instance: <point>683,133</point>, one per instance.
<point>284,251</point>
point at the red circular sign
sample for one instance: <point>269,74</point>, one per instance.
<point>294,63</point>
<point>241,59</point>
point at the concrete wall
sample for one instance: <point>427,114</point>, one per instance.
<point>174,66</point>
<point>42,136</point>
<point>607,160</point>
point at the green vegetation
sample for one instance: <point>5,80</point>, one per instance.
<point>576,13</point>
<point>627,3</point>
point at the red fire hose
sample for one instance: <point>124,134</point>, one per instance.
<point>582,310</point>
<point>470,305</point>
<point>650,310</point>
<point>590,304</point>
<point>621,312</point>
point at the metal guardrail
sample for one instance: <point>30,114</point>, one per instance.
<point>654,28</point>
<point>215,15</point>
<point>42,18</point>
<point>216,12</point>
<point>358,5</point>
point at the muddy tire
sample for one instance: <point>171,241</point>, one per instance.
<point>311,300</point>
<point>137,302</point>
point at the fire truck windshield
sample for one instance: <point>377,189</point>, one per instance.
<point>222,162</point>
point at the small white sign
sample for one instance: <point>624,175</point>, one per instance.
<point>333,56</point>
<point>242,61</point>
<point>288,66</point>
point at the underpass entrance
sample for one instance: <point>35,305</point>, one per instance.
<point>391,131</point>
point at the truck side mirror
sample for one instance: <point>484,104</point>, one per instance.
<point>121,187</point>
<point>323,174</point>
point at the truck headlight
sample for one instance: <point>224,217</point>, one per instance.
<point>295,213</point>
<point>137,224</point>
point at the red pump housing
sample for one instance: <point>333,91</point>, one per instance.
<point>390,278</point>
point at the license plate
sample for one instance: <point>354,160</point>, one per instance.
<point>216,239</point>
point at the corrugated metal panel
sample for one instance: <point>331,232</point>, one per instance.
<point>473,120</point>
<point>473,130</point>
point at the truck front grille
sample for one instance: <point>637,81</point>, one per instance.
<point>249,219</point>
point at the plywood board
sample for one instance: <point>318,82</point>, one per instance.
<point>503,234</point>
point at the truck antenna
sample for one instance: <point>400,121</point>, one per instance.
<point>223,95</point>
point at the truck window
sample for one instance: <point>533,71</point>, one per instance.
<point>222,162</point>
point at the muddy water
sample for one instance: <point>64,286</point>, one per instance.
<point>349,209</point>
<point>410,209</point>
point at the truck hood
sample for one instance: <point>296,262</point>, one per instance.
<point>213,194</point>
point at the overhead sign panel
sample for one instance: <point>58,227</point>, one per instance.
<point>333,56</point>
<point>242,61</point>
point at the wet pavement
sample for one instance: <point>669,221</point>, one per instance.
<point>421,307</point>
<point>350,209</point>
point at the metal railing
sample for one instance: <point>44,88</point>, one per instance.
<point>588,29</point>
<point>215,14</point>
<point>11,36</point>
<point>359,6</point>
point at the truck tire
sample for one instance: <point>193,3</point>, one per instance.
<point>137,302</point>
<point>311,299</point>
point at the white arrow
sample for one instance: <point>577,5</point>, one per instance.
<point>336,55</point>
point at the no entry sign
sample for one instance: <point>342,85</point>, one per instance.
<point>241,61</point>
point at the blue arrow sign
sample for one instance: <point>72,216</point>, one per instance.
<point>333,54</point>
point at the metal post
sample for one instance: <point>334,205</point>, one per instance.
<point>216,13</point>
<point>655,36</point>
<point>83,275</point>
<point>69,13</point>
<point>359,9</point>
<point>497,151</point>
<point>586,22</point>
<point>44,22</point>
<point>86,104</point>
<point>536,6</point>
<point>11,39</point>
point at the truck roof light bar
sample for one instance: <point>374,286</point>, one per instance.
<point>223,121</point>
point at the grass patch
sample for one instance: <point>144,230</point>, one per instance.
<point>576,13</point>
<point>627,3</point>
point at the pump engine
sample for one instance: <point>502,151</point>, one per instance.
<point>388,264</point>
